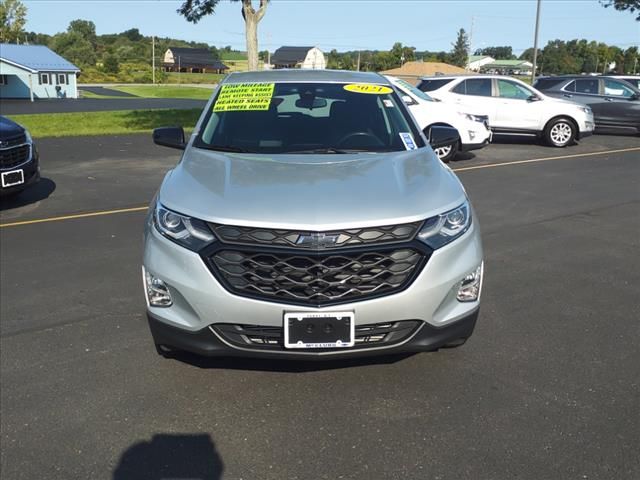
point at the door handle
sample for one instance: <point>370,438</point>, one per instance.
<point>607,99</point>
<point>568,95</point>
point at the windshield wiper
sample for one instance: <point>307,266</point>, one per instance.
<point>330,150</point>
<point>228,148</point>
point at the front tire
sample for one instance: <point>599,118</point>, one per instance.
<point>560,132</point>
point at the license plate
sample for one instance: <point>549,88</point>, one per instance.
<point>14,177</point>
<point>319,330</point>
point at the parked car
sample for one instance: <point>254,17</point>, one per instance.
<point>615,102</point>
<point>514,107</point>
<point>308,218</point>
<point>473,129</point>
<point>19,163</point>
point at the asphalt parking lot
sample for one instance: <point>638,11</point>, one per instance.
<point>547,388</point>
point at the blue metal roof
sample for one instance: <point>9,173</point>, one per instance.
<point>35,58</point>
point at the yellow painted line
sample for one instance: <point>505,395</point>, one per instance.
<point>462,169</point>
<point>72,217</point>
<point>546,159</point>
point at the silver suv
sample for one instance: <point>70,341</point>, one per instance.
<point>309,218</point>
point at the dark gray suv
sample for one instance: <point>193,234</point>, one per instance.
<point>615,102</point>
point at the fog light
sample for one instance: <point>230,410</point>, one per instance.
<point>158,294</point>
<point>472,135</point>
<point>469,289</point>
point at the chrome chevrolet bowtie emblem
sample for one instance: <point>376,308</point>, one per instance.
<point>317,240</point>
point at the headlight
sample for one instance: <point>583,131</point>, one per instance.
<point>442,229</point>
<point>189,232</point>
<point>473,118</point>
<point>587,110</point>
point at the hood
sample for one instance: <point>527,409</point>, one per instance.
<point>564,102</point>
<point>9,129</point>
<point>311,192</point>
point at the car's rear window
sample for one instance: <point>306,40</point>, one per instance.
<point>308,118</point>
<point>430,84</point>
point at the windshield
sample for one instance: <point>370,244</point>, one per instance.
<point>407,87</point>
<point>308,118</point>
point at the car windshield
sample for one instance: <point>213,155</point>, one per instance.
<point>307,118</point>
<point>407,87</point>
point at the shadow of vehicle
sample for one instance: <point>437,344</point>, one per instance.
<point>463,156</point>
<point>171,456</point>
<point>31,194</point>
<point>285,366</point>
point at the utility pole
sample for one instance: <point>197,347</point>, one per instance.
<point>535,43</point>
<point>358,67</point>
<point>179,69</point>
<point>153,58</point>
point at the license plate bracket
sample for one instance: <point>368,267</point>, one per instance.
<point>305,330</point>
<point>14,177</point>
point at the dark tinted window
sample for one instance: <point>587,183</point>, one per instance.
<point>546,83</point>
<point>429,85</point>
<point>474,86</point>
<point>587,85</point>
<point>307,118</point>
<point>570,87</point>
<point>635,81</point>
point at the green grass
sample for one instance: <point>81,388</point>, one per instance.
<point>105,123</point>
<point>163,91</point>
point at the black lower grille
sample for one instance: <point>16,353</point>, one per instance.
<point>272,338</point>
<point>11,157</point>
<point>316,278</point>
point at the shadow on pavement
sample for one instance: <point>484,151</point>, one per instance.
<point>286,366</point>
<point>171,456</point>
<point>32,194</point>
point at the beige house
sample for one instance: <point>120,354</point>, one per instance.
<point>412,71</point>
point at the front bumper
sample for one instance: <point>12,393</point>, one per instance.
<point>31,172</point>
<point>208,342</point>
<point>201,303</point>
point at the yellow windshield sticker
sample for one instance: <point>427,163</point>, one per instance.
<point>367,88</point>
<point>244,96</point>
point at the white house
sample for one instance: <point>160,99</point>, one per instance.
<point>299,57</point>
<point>34,71</point>
<point>476,62</point>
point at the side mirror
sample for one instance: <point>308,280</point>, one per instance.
<point>635,96</point>
<point>442,136</point>
<point>172,137</point>
<point>534,98</point>
<point>408,100</point>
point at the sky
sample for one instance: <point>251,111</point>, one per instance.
<point>353,24</point>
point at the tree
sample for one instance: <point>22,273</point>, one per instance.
<point>499,53</point>
<point>86,29</point>
<point>111,64</point>
<point>194,10</point>
<point>13,16</point>
<point>132,34</point>
<point>622,5</point>
<point>72,46</point>
<point>460,53</point>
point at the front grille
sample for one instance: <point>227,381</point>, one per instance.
<point>272,338</point>
<point>12,142</point>
<point>314,240</point>
<point>316,278</point>
<point>11,157</point>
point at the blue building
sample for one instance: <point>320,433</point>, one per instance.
<point>34,71</point>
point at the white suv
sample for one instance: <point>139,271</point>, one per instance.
<point>473,128</point>
<point>514,107</point>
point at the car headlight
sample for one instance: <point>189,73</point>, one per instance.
<point>587,110</point>
<point>189,232</point>
<point>442,229</point>
<point>473,118</point>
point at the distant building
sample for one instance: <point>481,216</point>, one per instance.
<point>412,71</point>
<point>508,67</point>
<point>476,62</point>
<point>192,60</point>
<point>34,71</point>
<point>299,57</point>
